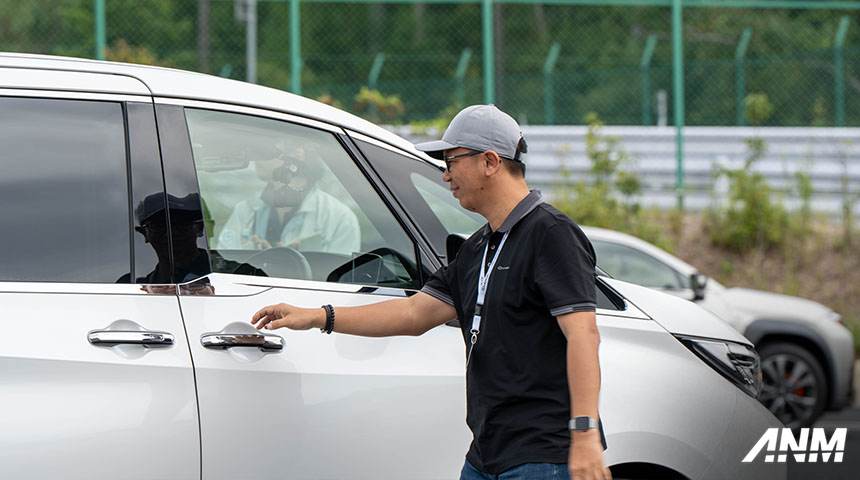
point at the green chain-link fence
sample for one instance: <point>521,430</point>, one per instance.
<point>553,61</point>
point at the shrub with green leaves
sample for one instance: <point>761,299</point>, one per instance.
<point>376,107</point>
<point>752,217</point>
<point>608,198</point>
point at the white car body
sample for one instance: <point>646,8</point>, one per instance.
<point>763,317</point>
<point>319,406</point>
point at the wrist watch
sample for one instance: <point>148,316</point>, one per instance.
<point>582,424</point>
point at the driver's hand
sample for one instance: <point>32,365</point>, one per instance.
<point>294,318</point>
<point>259,243</point>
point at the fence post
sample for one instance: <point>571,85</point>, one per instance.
<point>295,48</point>
<point>548,67</point>
<point>839,67</point>
<point>460,75</point>
<point>251,41</point>
<point>100,42</point>
<point>678,69</point>
<point>740,87</point>
<point>489,64</point>
<point>375,69</point>
<point>645,67</point>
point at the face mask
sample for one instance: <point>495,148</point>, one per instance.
<point>285,195</point>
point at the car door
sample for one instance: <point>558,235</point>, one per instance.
<point>288,404</point>
<point>95,373</point>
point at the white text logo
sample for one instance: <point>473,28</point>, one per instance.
<point>800,446</point>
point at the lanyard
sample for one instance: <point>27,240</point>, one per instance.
<point>483,281</point>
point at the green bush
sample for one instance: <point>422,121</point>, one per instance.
<point>376,107</point>
<point>752,218</point>
<point>609,198</point>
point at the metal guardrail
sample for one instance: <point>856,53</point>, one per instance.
<point>831,156</point>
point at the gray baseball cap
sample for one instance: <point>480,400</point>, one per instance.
<point>478,127</point>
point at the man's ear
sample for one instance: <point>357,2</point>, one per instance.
<point>493,162</point>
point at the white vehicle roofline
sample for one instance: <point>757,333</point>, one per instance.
<point>168,82</point>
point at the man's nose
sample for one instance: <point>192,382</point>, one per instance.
<point>446,176</point>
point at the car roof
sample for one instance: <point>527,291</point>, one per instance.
<point>173,83</point>
<point>596,233</point>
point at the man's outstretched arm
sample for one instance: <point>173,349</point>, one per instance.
<point>407,316</point>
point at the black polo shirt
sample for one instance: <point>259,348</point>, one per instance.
<point>518,402</point>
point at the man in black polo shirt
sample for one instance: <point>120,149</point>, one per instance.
<point>523,288</point>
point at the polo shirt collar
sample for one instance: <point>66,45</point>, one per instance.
<point>526,205</point>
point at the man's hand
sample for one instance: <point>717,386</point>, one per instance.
<point>586,457</point>
<point>402,316</point>
<point>294,318</point>
<point>258,243</point>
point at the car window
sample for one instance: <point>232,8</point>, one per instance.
<point>64,191</point>
<point>285,200</point>
<point>447,209</point>
<point>419,187</point>
<point>631,265</point>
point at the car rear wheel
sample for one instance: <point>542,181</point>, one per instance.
<point>794,387</point>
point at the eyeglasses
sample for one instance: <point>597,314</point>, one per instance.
<point>453,157</point>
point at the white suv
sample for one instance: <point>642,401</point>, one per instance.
<point>807,353</point>
<point>133,201</point>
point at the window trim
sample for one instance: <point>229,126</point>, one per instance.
<point>55,94</point>
<point>257,112</point>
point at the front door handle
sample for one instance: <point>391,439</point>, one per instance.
<point>110,338</point>
<point>230,340</point>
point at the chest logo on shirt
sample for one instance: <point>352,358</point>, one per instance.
<point>503,268</point>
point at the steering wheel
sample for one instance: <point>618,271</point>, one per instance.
<point>363,267</point>
<point>281,262</point>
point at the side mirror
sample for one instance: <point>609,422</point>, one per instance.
<point>453,242</point>
<point>697,283</point>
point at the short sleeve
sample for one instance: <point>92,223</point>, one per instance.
<point>564,270</point>
<point>439,284</point>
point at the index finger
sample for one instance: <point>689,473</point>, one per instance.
<point>261,313</point>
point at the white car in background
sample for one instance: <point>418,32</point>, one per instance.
<point>807,353</point>
<point>115,176</point>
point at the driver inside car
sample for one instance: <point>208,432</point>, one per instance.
<point>291,211</point>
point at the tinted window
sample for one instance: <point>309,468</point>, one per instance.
<point>419,187</point>
<point>630,265</point>
<point>63,191</point>
<point>288,201</point>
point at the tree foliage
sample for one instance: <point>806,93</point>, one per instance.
<point>790,56</point>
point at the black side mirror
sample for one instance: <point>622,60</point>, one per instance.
<point>697,283</point>
<point>453,242</point>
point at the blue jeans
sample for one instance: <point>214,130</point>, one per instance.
<point>527,471</point>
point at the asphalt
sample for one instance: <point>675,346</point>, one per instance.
<point>848,418</point>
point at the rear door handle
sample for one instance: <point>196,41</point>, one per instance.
<point>230,340</point>
<point>110,338</point>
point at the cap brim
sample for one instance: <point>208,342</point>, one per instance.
<point>435,148</point>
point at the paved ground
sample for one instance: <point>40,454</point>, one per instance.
<point>849,418</point>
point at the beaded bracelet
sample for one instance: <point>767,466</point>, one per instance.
<point>329,319</point>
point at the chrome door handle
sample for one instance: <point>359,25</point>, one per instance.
<point>109,338</point>
<point>229,340</point>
